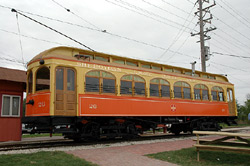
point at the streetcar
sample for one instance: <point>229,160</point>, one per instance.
<point>87,94</point>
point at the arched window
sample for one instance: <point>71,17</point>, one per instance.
<point>43,79</point>
<point>132,85</point>
<point>182,90</point>
<point>30,82</point>
<point>200,92</point>
<point>159,87</point>
<point>100,81</point>
<point>217,94</point>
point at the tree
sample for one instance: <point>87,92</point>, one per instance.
<point>244,110</point>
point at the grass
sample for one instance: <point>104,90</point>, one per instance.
<point>223,125</point>
<point>188,157</point>
<point>39,135</point>
<point>43,159</point>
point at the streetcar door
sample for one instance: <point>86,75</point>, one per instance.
<point>65,97</point>
<point>231,102</point>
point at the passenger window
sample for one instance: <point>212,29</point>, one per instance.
<point>132,85</point>
<point>201,92</point>
<point>92,84</point>
<point>217,94</point>
<point>131,63</point>
<point>30,82</point>
<point>214,96</point>
<point>43,79</point>
<point>177,92</point>
<point>100,58</point>
<point>182,90</point>
<point>100,81</point>
<point>221,96</point>
<point>154,90</point>
<point>159,87</point>
<point>229,95</point>
<point>59,79</point>
<point>197,94</point>
<point>146,66</point>
<point>70,80</point>
<point>139,88</point>
<point>118,61</point>
<point>108,85</point>
<point>156,67</point>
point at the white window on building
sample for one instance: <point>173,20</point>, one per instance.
<point>11,105</point>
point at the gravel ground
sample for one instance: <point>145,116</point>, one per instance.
<point>97,146</point>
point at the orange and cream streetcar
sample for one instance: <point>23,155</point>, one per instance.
<point>82,93</point>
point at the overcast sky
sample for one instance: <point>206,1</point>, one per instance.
<point>156,31</point>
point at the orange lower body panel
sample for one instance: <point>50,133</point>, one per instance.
<point>102,105</point>
<point>41,105</point>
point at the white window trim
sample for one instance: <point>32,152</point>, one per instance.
<point>11,100</point>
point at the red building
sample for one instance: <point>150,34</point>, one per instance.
<point>12,86</point>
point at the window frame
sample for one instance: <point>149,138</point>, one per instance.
<point>44,90</point>
<point>101,58</point>
<point>30,84</point>
<point>101,82</point>
<point>159,88</point>
<point>11,101</point>
<point>201,92</point>
<point>133,85</point>
<point>217,93</point>
<point>182,91</point>
<point>230,96</point>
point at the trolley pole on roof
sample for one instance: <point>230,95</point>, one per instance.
<point>201,13</point>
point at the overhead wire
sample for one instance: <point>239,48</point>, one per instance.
<point>231,55</point>
<point>175,6</point>
<point>13,10</point>
<point>235,11</point>
<point>12,60</point>
<point>239,43</point>
<point>245,36</point>
<point>105,32</point>
<point>230,75</point>
<point>70,11</point>
<point>183,54</point>
<point>162,9</point>
<point>20,40</point>
<point>223,42</point>
<point>233,14</point>
<point>180,33</point>
<point>136,8</point>
<point>148,13</point>
<point>230,67</point>
<point>34,38</point>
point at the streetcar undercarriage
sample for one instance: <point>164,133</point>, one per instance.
<point>78,128</point>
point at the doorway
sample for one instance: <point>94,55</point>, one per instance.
<point>65,97</point>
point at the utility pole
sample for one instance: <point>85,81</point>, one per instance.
<point>202,13</point>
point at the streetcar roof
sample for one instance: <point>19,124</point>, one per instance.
<point>69,53</point>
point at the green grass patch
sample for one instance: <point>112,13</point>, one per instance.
<point>223,125</point>
<point>188,157</point>
<point>43,159</point>
<point>39,135</point>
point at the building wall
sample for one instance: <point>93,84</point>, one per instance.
<point>11,127</point>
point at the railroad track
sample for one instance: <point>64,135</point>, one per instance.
<point>67,142</point>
